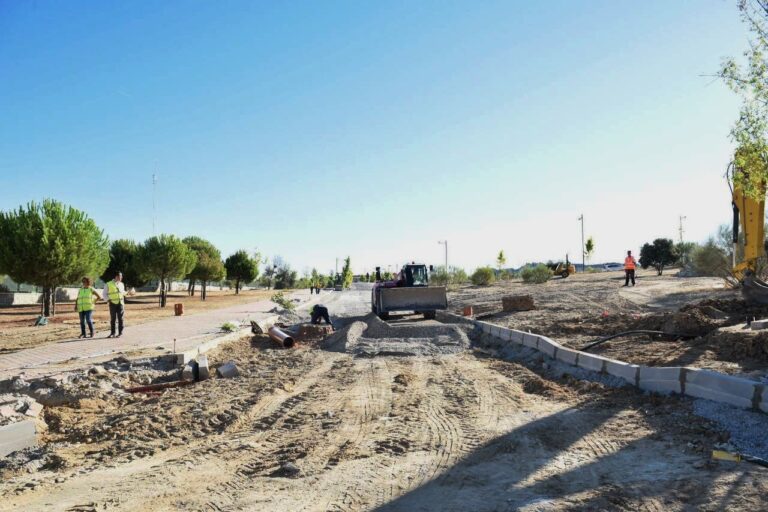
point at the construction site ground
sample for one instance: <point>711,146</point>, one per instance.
<point>587,307</point>
<point>320,428</point>
<point>18,332</point>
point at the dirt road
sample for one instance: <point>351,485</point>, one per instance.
<point>310,429</point>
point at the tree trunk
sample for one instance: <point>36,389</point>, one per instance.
<point>203,289</point>
<point>237,286</point>
<point>53,300</point>
<point>162,292</point>
<point>191,288</point>
<point>660,268</point>
<point>47,301</point>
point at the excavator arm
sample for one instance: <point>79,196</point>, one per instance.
<point>749,218</point>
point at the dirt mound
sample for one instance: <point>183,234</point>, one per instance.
<point>371,336</point>
<point>690,323</point>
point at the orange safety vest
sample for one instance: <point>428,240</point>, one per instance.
<point>629,263</point>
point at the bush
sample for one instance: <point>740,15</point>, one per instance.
<point>710,260</point>
<point>483,276</point>
<point>229,327</point>
<point>538,274</point>
<point>454,276</point>
<point>283,301</point>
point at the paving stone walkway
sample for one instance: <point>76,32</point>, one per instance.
<point>188,331</point>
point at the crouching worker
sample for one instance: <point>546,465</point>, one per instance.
<point>320,312</point>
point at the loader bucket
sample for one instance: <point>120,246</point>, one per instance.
<point>753,289</point>
<point>426,298</point>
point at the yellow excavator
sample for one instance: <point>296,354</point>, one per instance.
<point>749,217</point>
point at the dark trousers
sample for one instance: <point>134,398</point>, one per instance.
<point>320,313</point>
<point>116,312</point>
<point>630,275</point>
<point>86,316</point>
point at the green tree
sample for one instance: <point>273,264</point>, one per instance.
<point>501,260</point>
<point>51,244</point>
<point>122,254</point>
<point>165,258</point>
<point>208,266</point>
<point>346,273</point>
<point>658,254</point>
<point>589,248</point>
<point>750,82</point>
<point>241,269</point>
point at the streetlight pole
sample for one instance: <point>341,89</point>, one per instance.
<point>445,243</point>
<point>583,253</point>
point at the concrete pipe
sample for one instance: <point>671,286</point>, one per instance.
<point>281,337</point>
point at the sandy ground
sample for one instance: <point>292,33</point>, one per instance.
<point>314,429</point>
<point>586,307</point>
<point>17,330</point>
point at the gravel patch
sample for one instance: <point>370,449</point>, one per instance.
<point>370,336</point>
<point>747,428</point>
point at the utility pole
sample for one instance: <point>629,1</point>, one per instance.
<point>583,252</point>
<point>445,243</point>
<point>337,265</point>
<point>681,231</point>
<point>680,227</point>
<point>154,215</point>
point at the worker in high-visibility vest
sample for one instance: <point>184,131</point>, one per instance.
<point>629,269</point>
<point>114,293</point>
<point>84,305</point>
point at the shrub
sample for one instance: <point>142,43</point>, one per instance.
<point>283,301</point>
<point>538,274</point>
<point>483,276</point>
<point>228,327</point>
<point>711,260</point>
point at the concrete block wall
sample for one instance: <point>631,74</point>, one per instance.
<point>721,388</point>
<point>692,382</point>
<point>663,380</point>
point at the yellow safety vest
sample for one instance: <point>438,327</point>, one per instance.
<point>113,293</point>
<point>85,300</point>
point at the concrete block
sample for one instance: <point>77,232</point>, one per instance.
<point>228,370</point>
<point>719,387</point>
<point>623,370</point>
<point>181,358</point>
<point>486,327</point>
<point>496,331</point>
<point>190,371</point>
<point>517,303</point>
<point>567,355</point>
<point>661,380</point>
<point>516,336</point>
<point>203,370</point>
<point>34,410</point>
<point>505,334</point>
<point>531,340</point>
<point>592,362</point>
<point>763,405</point>
<point>17,436</point>
<point>757,325</point>
<point>547,346</point>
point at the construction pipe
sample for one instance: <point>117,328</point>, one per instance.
<point>281,337</point>
<point>625,333</point>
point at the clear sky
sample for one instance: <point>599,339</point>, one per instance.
<point>316,130</point>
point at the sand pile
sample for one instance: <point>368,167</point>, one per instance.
<point>370,336</point>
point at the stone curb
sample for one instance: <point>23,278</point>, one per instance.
<point>693,382</point>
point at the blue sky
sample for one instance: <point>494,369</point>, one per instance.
<point>316,130</point>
